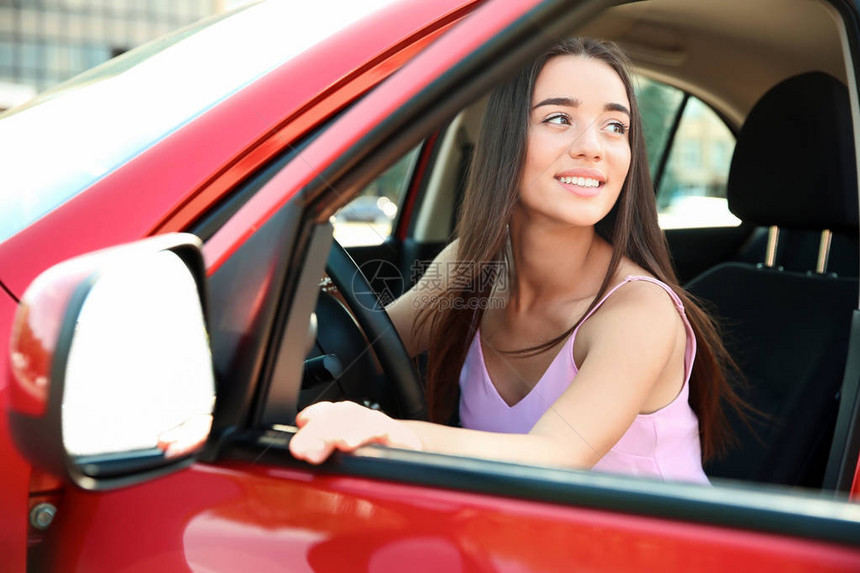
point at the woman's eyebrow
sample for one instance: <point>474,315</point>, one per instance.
<point>562,101</point>
<point>616,107</point>
<point>571,102</point>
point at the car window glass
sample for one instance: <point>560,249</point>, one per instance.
<point>659,105</point>
<point>692,186</point>
<point>369,218</point>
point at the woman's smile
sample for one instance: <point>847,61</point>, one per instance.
<point>582,182</point>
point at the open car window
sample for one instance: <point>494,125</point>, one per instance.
<point>692,150</point>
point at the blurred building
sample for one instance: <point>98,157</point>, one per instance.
<point>44,42</point>
<point>702,153</point>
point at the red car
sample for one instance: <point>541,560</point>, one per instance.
<point>250,131</point>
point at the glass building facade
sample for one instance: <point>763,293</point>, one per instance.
<point>44,42</point>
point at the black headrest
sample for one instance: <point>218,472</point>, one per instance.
<point>793,165</point>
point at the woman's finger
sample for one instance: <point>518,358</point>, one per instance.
<point>346,426</point>
<point>312,410</point>
<point>327,426</point>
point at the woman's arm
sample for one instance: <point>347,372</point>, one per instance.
<point>628,348</point>
<point>404,310</point>
<point>631,356</point>
<point>346,426</point>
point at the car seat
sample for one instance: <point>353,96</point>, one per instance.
<point>793,169</point>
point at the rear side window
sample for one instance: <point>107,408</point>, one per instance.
<point>690,152</point>
<point>659,105</point>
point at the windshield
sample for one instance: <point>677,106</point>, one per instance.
<point>68,138</point>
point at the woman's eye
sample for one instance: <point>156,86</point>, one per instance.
<point>558,119</point>
<point>617,127</point>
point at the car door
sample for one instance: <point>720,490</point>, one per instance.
<point>247,505</point>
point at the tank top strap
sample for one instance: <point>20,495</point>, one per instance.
<point>690,352</point>
<point>597,306</point>
<point>631,278</point>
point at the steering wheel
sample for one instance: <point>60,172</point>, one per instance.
<point>372,318</point>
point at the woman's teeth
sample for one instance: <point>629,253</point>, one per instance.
<point>581,181</point>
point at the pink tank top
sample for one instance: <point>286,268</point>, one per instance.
<point>663,444</point>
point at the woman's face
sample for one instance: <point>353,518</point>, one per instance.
<point>578,148</point>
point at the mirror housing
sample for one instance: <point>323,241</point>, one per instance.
<point>112,378</point>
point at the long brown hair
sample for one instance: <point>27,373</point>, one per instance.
<point>630,227</point>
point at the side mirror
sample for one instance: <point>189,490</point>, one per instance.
<point>112,378</point>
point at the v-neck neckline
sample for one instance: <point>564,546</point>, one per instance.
<point>531,391</point>
<point>570,339</point>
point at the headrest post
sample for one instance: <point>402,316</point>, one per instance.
<point>823,251</point>
<point>772,240</point>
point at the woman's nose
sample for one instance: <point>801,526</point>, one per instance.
<point>586,142</point>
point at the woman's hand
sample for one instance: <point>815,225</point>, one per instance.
<point>346,426</point>
<point>186,437</point>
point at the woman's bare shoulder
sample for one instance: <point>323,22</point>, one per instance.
<point>649,297</point>
<point>637,307</point>
<point>450,252</point>
<point>644,297</point>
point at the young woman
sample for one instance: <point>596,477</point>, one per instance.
<point>584,352</point>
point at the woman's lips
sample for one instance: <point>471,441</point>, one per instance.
<point>582,181</point>
<point>582,186</point>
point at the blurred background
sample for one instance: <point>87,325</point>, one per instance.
<point>45,42</point>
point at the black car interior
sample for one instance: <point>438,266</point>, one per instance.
<point>787,320</point>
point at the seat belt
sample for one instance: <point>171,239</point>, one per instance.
<point>845,445</point>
